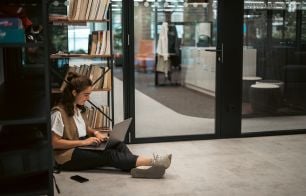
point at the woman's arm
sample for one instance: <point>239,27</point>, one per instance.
<point>90,131</point>
<point>60,143</point>
<point>102,135</point>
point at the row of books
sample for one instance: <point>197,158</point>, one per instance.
<point>99,74</point>
<point>88,9</point>
<point>99,43</point>
<point>98,119</point>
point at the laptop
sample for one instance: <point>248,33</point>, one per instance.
<point>117,133</point>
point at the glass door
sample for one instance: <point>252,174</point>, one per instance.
<point>274,66</point>
<point>175,74</point>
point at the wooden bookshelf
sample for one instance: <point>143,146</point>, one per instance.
<point>101,49</point>
<point>60,56</point>
<point>63,20</point>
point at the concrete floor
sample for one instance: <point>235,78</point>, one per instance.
<point>260,166</point>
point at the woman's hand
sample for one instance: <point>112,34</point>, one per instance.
<point>91,141</point>
<point>102,136</point>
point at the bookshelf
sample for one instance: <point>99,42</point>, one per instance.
<point>99,47</point>
<point>26,163</point>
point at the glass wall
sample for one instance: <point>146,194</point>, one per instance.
<point>118,60</point>
<point>174,74</point>
<point>274,66</point>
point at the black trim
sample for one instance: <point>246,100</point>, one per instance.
<point>274,133</point>
<point>128,63</point>
<point>174,138</point>
<point>211,136</point>
<point>110,62</point>
<point>299,31</point>
<point>229,72</point>
<point>45,5</point>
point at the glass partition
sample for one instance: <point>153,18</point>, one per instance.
<point>274,66</point>
<point>174,74</point>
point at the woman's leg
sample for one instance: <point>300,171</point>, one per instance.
<point>87,159</point>
<point>157,160</point>
<point>84,159</point>
<point>119,146</point>
<point>141,160</point>
<point>120,160</point>
<point>158,165</point>
<point>144,161</point>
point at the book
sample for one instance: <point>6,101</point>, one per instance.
<point>93,10</point>
<point>99,74</point>
<point>90,116</point>
<point>107,43</point>
<point>102,116</point>
<point>107,79</point>
<point>94,117</point>
<point>101,10</point>
<point>83,11</point>
<point>89,8</point>
<point>106,122</point>
<point>89,43</point>
<point>94,42</point>
<point>99,118</point>
<point>104,42</point>
<point>105,10</point>
<point>77,9</point>
<point>99,43</point>
<point>95,74</point>
<point>71,9</point>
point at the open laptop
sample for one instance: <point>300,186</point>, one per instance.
<point>117,133</point>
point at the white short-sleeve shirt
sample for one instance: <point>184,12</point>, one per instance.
<point>57,124</point>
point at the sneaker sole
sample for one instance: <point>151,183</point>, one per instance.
<point>153,172</point>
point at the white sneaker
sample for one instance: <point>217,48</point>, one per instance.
<point>163,161</point>
<point>152,172</point>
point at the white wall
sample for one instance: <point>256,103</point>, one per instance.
<point>199,67</point>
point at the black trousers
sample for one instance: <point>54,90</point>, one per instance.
<point>115,155</point>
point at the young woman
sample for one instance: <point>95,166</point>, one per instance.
<point>70,131</point>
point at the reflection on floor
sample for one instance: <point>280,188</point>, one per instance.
<point>272,123</point>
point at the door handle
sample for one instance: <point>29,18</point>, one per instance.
<point>220,58</point>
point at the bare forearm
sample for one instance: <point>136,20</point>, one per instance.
<point>66,144</point>
<point>59,143</point>
<point>90,131</point>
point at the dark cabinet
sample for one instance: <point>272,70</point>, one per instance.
<point>26,162</point>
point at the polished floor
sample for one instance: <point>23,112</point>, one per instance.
<point>176,110</point>
<point>259,166</point>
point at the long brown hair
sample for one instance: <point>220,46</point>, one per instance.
<point>75,82</point>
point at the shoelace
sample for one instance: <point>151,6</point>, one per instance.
<point>156,157</point>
